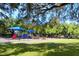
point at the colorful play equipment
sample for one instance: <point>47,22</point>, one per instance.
<point>17,34</point>
<point>16,28</point>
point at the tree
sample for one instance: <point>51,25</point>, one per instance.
<point>2,27</point>
<point>60,29</point>
<point>52,28</point>
<point>76,31</point>
<point>33,9</point>
<point>54,22</point>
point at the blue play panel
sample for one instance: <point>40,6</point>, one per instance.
<point>25,36</point>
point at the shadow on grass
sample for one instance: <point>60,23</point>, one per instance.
<point>47,49</point>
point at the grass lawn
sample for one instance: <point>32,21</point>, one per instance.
<point>55,47</point>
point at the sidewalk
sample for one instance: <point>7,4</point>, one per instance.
<point>5,40</point>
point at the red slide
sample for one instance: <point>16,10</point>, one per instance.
<point>14,36</point>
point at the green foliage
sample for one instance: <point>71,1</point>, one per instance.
<point>37,29</point>
<point>60,29</point>
<point>55,28</point>
<point>2,26</point>
<point>54,22</point>
<point>70,28</point>
<point>76,30</point>
<point>52,28</point>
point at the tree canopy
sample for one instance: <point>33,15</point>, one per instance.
<point>41,12</point>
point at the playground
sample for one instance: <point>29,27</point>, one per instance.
<point>50,29</point>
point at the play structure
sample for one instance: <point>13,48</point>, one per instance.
<point>17,32</point>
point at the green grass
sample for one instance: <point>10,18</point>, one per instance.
<point>58,47</point>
